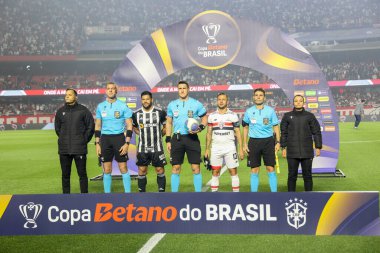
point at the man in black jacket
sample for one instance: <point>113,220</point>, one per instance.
<point>74,125</point>
<point>298,130</point>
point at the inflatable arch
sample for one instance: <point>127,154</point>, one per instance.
<point>212,40</point>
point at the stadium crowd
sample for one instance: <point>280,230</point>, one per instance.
<point>343,96</point>
<point>348,70</point>
<point>348,96</point>
<point>53,27</point>
<point>36,82</point>
<point>231,74</point>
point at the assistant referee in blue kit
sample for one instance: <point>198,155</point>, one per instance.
<point>260,122</point>
<point>113,132</point>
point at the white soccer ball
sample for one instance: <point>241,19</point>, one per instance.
<point>192,124</point>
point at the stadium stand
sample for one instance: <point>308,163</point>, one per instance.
<point>52,27</point>
<point>59,28</point>
<point>353,70</point>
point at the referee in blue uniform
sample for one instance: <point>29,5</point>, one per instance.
<point>259,122</point>
<point>113,131</point>
<point>179,140</point>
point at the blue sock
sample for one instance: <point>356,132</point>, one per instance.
<point>126,182</point>
<point>197,181</point>
<point>175,182</point>
<point>254,182</point>
<point>107,181</point>
<point>272,181</point>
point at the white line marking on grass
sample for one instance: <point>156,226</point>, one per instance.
<point>156,238</point>
<point>151,243</point>
<point>347,142</point>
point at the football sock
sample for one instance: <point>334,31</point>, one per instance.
<point>214,183</point>
<point>254,182</point>
<point>126,182</point>
<point>235,182</point>
<point>175,182</point>
<point>141,182</point>
<point>107,181</point>
<point>161,182</point>
<point>272,181</point>
<point>197,180</point>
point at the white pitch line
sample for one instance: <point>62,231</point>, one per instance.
<point>156,238</point>
<point>348,142</point>
<point>151,243</point>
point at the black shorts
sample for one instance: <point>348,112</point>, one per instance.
<point>157,159</point>
<point>261,147</point>
<point>188,144</point>
<point>110,145</point>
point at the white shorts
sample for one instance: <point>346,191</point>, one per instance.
<point>226,154</point>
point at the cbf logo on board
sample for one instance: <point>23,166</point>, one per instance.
<point>296,212</point>
<point>212,39</point>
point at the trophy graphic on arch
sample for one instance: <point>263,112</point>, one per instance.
<point>211,30</point>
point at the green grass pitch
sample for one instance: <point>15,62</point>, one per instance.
<point>29,165</point>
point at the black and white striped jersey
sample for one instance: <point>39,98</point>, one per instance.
<point>149,125</point>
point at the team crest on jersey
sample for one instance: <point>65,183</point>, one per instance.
<point>141,125</point>
<point>190,114</point>
<point>221,125</point>
<point>117,114</point>
<point>265,121</point>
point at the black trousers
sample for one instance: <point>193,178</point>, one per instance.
<point>306,164</point>
<point>358,118</point>
<point>80,162</point>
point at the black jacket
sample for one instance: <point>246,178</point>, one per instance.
<point>298,129</point>
<point>74,126</point>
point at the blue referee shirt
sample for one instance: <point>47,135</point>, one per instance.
<point>260,122</point>
<point>113,116</point>
<point>180,111</point>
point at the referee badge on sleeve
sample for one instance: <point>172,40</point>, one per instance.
<point>116,114</point>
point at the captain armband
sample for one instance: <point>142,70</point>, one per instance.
<point>129,133</point>
<point>97,133</point>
